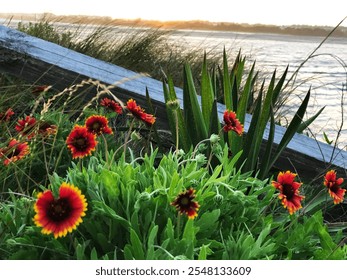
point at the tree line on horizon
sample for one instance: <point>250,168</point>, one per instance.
<point>298,30</point>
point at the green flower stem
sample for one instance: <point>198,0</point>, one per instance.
<point>178,225</point>
<point>128,135</point>
<point>106,148</point>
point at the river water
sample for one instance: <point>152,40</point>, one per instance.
<point>325,72</point>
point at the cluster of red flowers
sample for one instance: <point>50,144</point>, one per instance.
<point>27,129</point>
<point>82,139</point>
<point>112,105</point>
<point>289,189</point>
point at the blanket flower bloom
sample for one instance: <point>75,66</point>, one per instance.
<point>289,191</point>
<point>232,123</point>
<point>112,105</point>
<point>14,151</point>
<point>98,125</point>
<point>333,185</point>
<point>184,203</point>
<point>26,127</point>
<point>81,142</point>
<point>139,113</point>
<point>60,215</point>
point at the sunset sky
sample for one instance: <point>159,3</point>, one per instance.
<point>310,12</point>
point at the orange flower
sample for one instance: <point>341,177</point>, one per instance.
<point>114,106</point>
<point>184,203</point>
<point>289,191</point>
<point>232,123</point>
<point>26,127</point>
<point>333,186</point>
<point>81,142</point>
<point>60,215</point>
<point>98,125</point>
<point>14,151</point>
<point>7,115</point>
<point>139,113</point>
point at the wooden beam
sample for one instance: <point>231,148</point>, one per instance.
<point>42,62</point>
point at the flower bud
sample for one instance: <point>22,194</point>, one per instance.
<point>200,158</point>
<point>135,136</point>
<point>214,138</point>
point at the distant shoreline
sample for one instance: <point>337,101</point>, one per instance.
<point>297,30</point>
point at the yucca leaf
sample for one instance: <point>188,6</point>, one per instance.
<point>207,93</point>
<point>306,123</point>
<point>192,111</point>
<point>227,92</point>
<point>151,111</point>
<point>292,128</point>
<point>243,103</point>
<point>175,115</point>
<point>278,87</point>
<point>264,168</point>
<point>263,120</point>
<point>249,153</point>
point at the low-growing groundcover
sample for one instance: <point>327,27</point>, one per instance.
<point>114,201</point>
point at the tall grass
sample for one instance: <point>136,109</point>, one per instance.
<point>137,49</point>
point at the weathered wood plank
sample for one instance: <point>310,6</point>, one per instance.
<point>43,62</point>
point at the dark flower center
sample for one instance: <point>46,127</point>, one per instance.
<point>96,126</point>
<point>333,187</point>
<point>14,153</point>
<point>185,201</point>
<point>59,209</point>
<point>288,191</point>
<point>81,143</point>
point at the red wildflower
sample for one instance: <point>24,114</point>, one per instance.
<point>81,142</point>
<point>14,151</point>
<point>26,127</point>
<point>114,106</point>
<point>60,215</point>
<point>289,191</point>
<point>184,203</point>
<point>232,123</point>
<point>7,115</point>
<point>333,186</point>
<point>139,113</point>
<point>98,125</point>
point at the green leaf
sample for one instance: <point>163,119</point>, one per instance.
<point>207,221</point>
<point>94,254</point>
<point>175,117</point>
<point>192,111</point>
<point>136,246</point>
<point>151,111</point>
<point>207,94</point>
<point>106,210</point>
<point>227,92</point>
<point>150,242</point>
<point>306,123</point>
<point>203,252</point>
<point>264,168</point>
<point>292,128</point>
